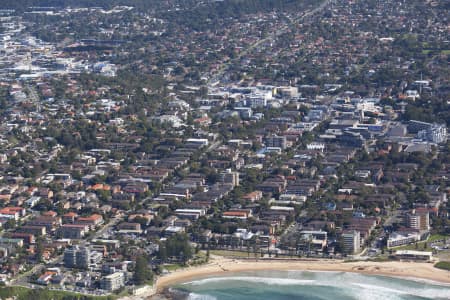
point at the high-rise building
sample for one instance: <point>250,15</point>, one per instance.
<point>70,257</point>
<point>352,241</point>
<point>77,257</point>
<point>419,219</point>
<point>83,258</point>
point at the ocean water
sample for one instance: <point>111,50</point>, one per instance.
<point>305,285</point>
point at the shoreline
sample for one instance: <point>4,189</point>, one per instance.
<point>418,271</point>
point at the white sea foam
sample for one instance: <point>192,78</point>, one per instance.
<point>254,279</point>
<point>318,271</point>
<point>427,281</point>
<point>356,286</point>
<point>394,293</point>
<point>372,294</point>
<point>194,296</point>
<point>379,289</point>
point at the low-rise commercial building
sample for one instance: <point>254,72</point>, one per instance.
<point>113,281</point>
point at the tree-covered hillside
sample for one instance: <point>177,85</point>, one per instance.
<point>222,7</point>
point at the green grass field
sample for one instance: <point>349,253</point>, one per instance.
<point>231,253</point>
<point>436,237</point>
<point>420,245</point>
<point>445,265</point>
<point>173,267</point>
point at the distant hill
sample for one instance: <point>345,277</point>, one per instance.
<point>23,5</point>
<point>226,7</point>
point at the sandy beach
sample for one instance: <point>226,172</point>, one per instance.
<point>221,265</point>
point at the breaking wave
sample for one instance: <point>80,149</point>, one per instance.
<point>194,296</point>
<point>312,285</point>
<point>264,280</point>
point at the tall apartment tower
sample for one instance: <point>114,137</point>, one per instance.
<point>77,257</point>
<point>352,241</point>
<point>419,219</point>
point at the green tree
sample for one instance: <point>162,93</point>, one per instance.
<point>176,246</point>
<point>142,272</point>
